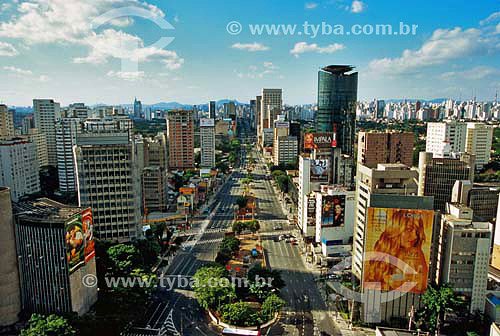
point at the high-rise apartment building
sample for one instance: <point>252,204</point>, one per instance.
<point>379,147</point>
<point>464,253</point>
<point>137,108</point>
<point>478,142</point>
<point>271,106</point>
<point>46,112</point>
<point>108,181</point>
<point>445,137</point>
<point>180,135</point>
<point>438,175</point>
<point>19,168</point>
<point>337,98</point>
<point>207,142</point>
<point>10,304</point>
<point>285,149</point>
<point>6,122</point>
<point>40,141</point>
<point>79,110</point>
<point>212,109</point>
<point>55,248</point>
<point>155,151</point>
<point>482,198</point>
<point>154,189</point>
<point>27,123</point>
<point>66,131</point>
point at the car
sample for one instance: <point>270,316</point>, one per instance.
<point>281,237</point>
<point>288,240</point>
<point>278,227</point>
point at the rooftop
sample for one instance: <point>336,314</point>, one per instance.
<point>45,209</point>
<point>338,69</point>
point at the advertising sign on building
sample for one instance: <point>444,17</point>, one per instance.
<point>319,170</point>
<point>332,210</point>
<point>320,140</point>
<point>205,122</point>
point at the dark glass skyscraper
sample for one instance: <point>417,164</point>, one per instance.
<point>337,96</point>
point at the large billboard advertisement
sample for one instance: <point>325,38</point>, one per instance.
<point>75,243</point>
<point>205,122</point>
<point>319,170</point>
<point>88,233</point>
<point>397,249</point>
<point>320,140</point>
<point>311,210</point>
<point>332,211</point>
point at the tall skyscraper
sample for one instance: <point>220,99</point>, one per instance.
<point>154,189</point>
<point>108,180</point>
<point>207,141</point>
<point>46,112</point>
<point>180,135</point>
<point>438,175</point>
<point>258,118</point>
<point>19,167</point>
<point>137,108</point>
<point>10,305</point>
<point>55,247</point>
<point>78,110</point>
<point>230,110</point>
<point>253,113</point>
<point>6,122</point>
<point>212,109</point>
<point>378,147</point>
<point>337,97</point>
<point>271,105</point>
<point>40,141</point>
<point>66,131</point>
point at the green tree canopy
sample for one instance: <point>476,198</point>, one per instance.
<point>124,257</point>
<point>277,281</point>
<point>241,201</point>
<point>241,314</point>
<point>272,305</point>
<point>51,325</point>
<point>210,289</point>
<point>230,243</point>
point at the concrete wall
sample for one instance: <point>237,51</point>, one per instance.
<point>10,293</point>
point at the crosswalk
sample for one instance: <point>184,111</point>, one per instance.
<point>169,326</point>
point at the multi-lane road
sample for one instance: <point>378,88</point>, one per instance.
<point>175,310</point>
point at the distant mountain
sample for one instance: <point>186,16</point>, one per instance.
<point>224,101</point>
<point>169,106</point>
<point>413,100</point>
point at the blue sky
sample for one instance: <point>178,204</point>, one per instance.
<point>51,49</point>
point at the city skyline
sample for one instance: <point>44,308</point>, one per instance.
<point>63,57</point>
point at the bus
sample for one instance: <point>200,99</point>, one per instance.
<point>234,331</point>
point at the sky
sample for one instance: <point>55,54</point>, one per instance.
<point>110,51</point>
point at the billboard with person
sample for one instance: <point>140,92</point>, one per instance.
<point>75,243</point>
<point>320,140</point>
<point>88,234</point>
<point>397,249</point>
<point>319,170</point>
<point>332,210</point>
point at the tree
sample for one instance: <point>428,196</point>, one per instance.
<point>272,305</point>
<point>148,250</point>
<point>438,300</point>
<point>51,325</point>
<point>277,173</point>
<point>253,226</point>
<point>241,201</point>
<point>124,258</point>
<point>238,227</point>
<point>276,282</point>
<point>230,243</point>
<point>210,288</point>
<point>240,314</point>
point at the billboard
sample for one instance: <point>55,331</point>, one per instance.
<point>205,172</point>
<point>319,170</point>
<point>320,140</point>
<point>397,249</point>
<point>311,210</point>
<point>205,122</point>
<point>186,191</point>
<point>332,210</point>
<point>88,234</point>
<point>281,124</point>
<point>75,243</point>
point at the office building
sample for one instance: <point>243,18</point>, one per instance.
<point>19,168</point>
<point>55,248</point>
<point>212,110</point>
<point>137,108</point>
<point>66,132</point>
<point>6,122</point>
<point>40,141</point>
<point>154,189</point>
<point>10,304</point>
<point>438,175</point>
<point>482,198</point>
<point>386,197</point>
<point>271,105</point>
<point>27,123</point>
<point>464,253</point>
<point>378,147</point>
<point>108,181</point>
<point>253,113</point>
<point>78,110</point>
<point>207,142</point>
<point>285,149</point>
<point>258,120</point>
<point>155,151</point>
<point>230,110</point>
<point>46,112</point>
<point>478,142</point>
<point>180,135</point>
<point>337,98</point>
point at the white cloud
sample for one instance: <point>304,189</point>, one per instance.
<point>492,18</point>
<point>44,78</point>
<point>270,65</point>
<point>443,46</point>
<point>177,19</point>
<point>476,73</point>
<point>255,72</point>
<point>250,46</point>
<point>19,71</point>
<point>128,76</point>
<point>71,22</point>
<point>357,6</point>
<point>303,47</point>
<point>5,7</point>
<point>311,5</point>
<point>7,49</point>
